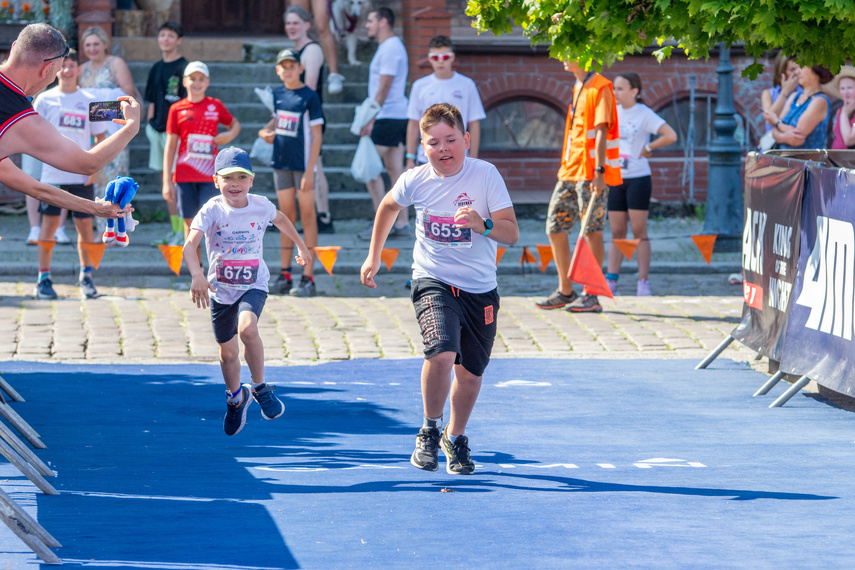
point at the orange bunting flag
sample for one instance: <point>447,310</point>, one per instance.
<point>95,251</point>
<point>47,244</point>
<point>545,253</point>
<point>500,251</point>
<point>388,256</point>
<point>173,254</point>
<point>327,256</point>
<point>585,270</point>
<point>626,246</point>
<point>526,257</point>
<point>705,244</point>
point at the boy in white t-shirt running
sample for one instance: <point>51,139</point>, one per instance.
<point>444,85</point>
<point>67,108</point>
<point>462,209</point>
<point>233,224</point>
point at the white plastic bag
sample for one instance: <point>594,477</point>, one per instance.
<point>363,115</point>
<point>266,96</point>
<point>367,164</point>
<point>261,151</point>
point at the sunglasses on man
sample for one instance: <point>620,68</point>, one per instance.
<point>63,54</point>
<point>440,56</point>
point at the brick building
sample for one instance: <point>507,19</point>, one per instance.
<point>526,94</point>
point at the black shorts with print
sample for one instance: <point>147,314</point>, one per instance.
<point>453,320</point>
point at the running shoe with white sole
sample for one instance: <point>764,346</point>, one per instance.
<point>557,300</point>
<point>236,413</point>
<point>458,461</point>
<point>271,406</point>
<point>44,289</point>
<point>426,454</point>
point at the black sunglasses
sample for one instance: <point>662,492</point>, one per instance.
<point>63,54</point>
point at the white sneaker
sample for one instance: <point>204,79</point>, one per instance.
<point>60,235</point>
<point>33,236</point>
<point>334,83</point>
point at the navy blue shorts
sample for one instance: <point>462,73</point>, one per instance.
<point>633,194</point>
<point>224,318</point>
<point>453,320</point>
<point>389,132</point>
<point>81,190</point>
<point>192,196</point>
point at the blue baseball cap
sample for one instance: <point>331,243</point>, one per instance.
<point>233,159</point>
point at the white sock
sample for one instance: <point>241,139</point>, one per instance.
<point>433,423</point>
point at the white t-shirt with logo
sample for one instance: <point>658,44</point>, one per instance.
<point>636,125</point>
<point>456,256</point>
<point>69,113</point>
<point>390,59</point>
<point>234,241</point>
<point>457,90</point>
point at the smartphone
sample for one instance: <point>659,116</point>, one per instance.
<point>105,111</point>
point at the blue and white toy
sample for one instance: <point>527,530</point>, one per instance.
<point>120,191</point>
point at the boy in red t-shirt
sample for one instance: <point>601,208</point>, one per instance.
<point>191,131</point>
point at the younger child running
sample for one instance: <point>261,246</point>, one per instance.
<point>233,224</point>
<point>462,210</point>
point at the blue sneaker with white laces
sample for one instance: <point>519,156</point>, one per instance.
<point>44,289</point>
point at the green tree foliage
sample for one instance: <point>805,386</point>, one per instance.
<point>599,32</point>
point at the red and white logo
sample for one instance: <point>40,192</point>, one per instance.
<point>463,200</point>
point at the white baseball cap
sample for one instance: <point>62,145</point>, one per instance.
<point>195,66</point>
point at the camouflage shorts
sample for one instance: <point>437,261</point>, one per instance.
<point>568,204</point>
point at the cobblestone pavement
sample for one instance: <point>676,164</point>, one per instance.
<point>151,319</point>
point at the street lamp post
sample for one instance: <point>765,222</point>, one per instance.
<point>724,191</point>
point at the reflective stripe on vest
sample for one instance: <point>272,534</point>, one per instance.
<point>612,174</point>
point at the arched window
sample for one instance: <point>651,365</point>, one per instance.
<point>522,124</point>
<point>677,114</point>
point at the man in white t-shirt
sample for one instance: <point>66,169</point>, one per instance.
<point>444,85</point>
<point>66,107</point>
<point>387,80</point>
<point>462,210</point>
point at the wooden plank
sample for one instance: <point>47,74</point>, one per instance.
<point>16,397</point>
<point>22,426</point>
<point>10,513</point>
<point>26,469</point>
<point>25,451</point>
<point>30,522</point>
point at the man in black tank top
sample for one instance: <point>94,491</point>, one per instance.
<point>34,60</point>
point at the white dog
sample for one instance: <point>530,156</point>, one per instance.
<point>345,18</point>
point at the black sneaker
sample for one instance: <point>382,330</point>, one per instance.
<point>586,304</point>
<point>306,288</point>
<point>282,285</point>
<point>557,300</point>
<point>87,286</point>
<point>325,227</point>
<point>457,458</point>
<point>402,232</point>
<point>271,406</point>
<point>426,453</point>
<point>236,413</point>
<point>44,289</point>
<point>366,233</point>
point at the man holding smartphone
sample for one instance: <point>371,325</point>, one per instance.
<point>34,60</point>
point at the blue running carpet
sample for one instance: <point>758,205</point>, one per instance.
<point>580,464</point>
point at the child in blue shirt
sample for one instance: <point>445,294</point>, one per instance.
<point>294,103</point>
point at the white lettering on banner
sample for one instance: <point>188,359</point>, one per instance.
<point>781,267</point>
<point>752,241</point>
<point>779,293</point>
<point>783,241</point>
<point>829,285</point>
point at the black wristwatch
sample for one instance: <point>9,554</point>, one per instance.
<point>600,169</point>
<point>488,223</point>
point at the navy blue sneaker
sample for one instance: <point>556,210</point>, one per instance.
<point>271,406</point>
<point>44,289</point>
<point>236,413</point>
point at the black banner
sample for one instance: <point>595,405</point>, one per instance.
<point>773,187</point>
<point>820,336</point>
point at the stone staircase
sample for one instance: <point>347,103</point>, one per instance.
<point>233,84</point>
